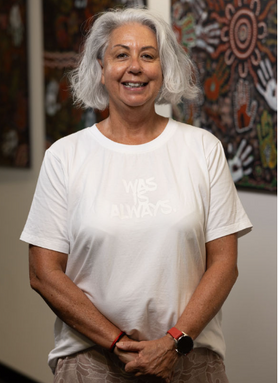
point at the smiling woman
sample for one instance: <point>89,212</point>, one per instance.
<point>134,223</point>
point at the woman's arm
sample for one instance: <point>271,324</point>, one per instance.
<point>214,287</point>
<point>159,357</point>
<point>69,303</point>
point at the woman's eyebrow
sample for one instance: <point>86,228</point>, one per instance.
<point>127,47</point>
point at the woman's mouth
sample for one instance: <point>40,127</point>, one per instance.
<point>134,84</point>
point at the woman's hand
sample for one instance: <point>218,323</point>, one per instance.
<point>125,356</point>
<point>154,357</point>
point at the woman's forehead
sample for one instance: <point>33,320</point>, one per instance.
<point>134,32</point>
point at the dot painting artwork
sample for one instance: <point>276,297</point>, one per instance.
<point>234,47</point>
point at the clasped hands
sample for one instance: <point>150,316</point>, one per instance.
<point>155,357</point>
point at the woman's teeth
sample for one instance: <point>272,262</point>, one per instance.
<point>134,85</point>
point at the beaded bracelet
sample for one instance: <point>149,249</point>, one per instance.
<point>119,337</point>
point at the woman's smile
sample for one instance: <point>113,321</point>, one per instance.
<point>134,85</point>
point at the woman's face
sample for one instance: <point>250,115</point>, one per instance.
<point>131,69</point>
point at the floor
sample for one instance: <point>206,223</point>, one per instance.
<point>8,375</point>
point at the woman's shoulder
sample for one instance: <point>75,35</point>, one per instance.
<point>194,135</point>
<point>72,142</point>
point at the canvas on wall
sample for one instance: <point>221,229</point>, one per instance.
<point>234,47</point>
<point>65,25</point>
<point>14,108</point>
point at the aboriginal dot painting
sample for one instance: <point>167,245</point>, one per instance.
<point>234,46</point>
<point>14,93</point>
<point>66,22</point>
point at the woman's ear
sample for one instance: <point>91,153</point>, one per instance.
<point>102,71</point>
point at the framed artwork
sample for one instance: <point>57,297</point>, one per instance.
<point>14,106</point>
<point>65,24</point>
<point>234,46</point>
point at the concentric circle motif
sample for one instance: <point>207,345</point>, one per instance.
<point>243,33</point>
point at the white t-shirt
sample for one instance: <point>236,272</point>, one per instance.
<point>134,220</point>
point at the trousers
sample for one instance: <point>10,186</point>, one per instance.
<point>97,365</point>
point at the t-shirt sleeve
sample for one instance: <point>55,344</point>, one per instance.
<point>46,224</point>
<point>225,214</point>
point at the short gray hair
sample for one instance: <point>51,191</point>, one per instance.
<point>179,73</point>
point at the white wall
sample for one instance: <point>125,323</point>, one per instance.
<point>26,322</point>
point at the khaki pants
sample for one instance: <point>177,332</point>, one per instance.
<point>98,366</point>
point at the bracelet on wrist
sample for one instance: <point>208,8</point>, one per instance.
<point>119,337</point>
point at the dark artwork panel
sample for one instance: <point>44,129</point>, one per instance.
<point>14,108</point>
<point>66,22</point>
<point>234,45</point>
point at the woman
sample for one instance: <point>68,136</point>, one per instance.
<point>134,223</point>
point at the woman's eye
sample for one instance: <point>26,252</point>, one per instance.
<point>148,57</point>
<point>121,55</point>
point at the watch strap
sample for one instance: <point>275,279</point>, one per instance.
<point>175,333</point>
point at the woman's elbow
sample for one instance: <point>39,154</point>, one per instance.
<point>236,274</point>
<point>34,282</point>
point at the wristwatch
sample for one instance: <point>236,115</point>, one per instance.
<point>184,343</point>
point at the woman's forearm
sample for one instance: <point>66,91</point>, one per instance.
<point>207,300</point>
<point>213,288</point>
<point>67,300</point>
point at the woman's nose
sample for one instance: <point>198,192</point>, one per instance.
<point>135,66</point>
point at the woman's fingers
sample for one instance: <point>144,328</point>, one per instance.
<point>127,357</point>
<point>130,346</point>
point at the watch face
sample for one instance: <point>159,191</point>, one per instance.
<point>185,344</point>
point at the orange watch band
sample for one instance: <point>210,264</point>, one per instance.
<point>175,333</point>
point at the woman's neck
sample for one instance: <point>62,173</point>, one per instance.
<point>133,127</point>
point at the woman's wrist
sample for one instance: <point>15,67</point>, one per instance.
<point>117,339</point>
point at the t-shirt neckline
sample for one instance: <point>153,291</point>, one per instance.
<point>153,144</point>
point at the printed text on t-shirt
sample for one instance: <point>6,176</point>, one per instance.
<point>142,206</point>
